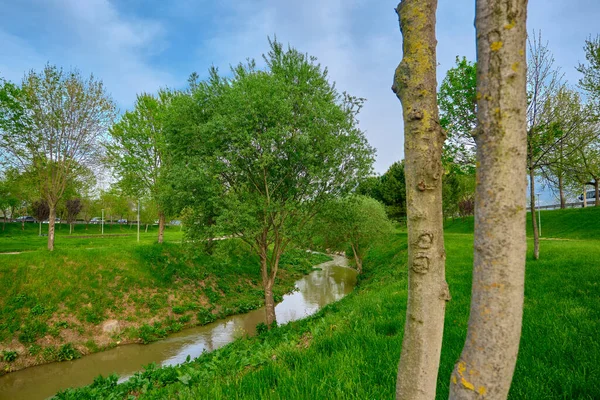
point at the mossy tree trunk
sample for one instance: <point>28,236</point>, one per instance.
<point>488,359</point>
<point>415,85</point>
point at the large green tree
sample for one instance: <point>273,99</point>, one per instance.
<point>272,145</point>
<point>55,132</point>
<point>457,100</point>
<point>138,152</point>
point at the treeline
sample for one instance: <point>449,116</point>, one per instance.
<point>270,156</point>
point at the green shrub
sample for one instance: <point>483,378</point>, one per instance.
<point>32,331</point>
<point>38,309</point>
<point>206,316</point>
<point>34,349</point>
<point>67,352</point>
<point>9,355</point>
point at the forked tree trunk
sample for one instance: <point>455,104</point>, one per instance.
<point>534,224</point>
<point>161,227</point>
<point>415,85</point>
<point>357,259</point>
<point>268,279</point>
<point>488,359</point>
<point>51,225</point>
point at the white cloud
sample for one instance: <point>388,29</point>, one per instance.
<point>92,36</point>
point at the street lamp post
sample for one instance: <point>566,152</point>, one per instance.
<point>539,214</point>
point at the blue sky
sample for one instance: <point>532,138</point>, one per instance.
<point>140,45</point>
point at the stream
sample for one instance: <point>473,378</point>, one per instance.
<point>333,281</point>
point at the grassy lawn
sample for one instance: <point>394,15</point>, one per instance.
<point>53,304</point>
<point>350,349</point>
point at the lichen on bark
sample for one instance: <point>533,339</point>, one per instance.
<point>488,359</point>
<point>415,85</point>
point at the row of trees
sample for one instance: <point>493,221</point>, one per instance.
<point>257,154</point>
<point>563,135</point>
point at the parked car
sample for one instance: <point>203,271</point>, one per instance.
<point>25,218</point>
<point>56,221</point>
<point>589,196</point>
<point>175,222</point>
<point>96,220</point>
<point>122,221</point>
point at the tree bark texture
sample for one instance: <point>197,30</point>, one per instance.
<point>415,85</point>
<point>268,279</point>
<point>51,226</point>
<point>561,191</point>
<point>534,224</point>
<point>161,227</point>
<point>488,359</point>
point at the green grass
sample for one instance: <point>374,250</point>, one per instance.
<point>572,223</point>
<point>51,299</point>
<point>350,349</point>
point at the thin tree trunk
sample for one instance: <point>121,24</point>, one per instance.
<point>267,286</point>
<point>40,228</point>
<point>561,191</point>
<point>584,196</point>
<point>70,228</point>
<point>51,221</point>
<point>597,202</point>
<point>357,259</point>
<point>146,231</point>
<point>161,227</point>
<point>415,85</point>
<point>488,359</point>
<point>536,233</point>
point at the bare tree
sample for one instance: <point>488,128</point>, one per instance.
<point>66,116</point>
<point>415,85</point>
<point>488,359</point>
<point>544,81</point>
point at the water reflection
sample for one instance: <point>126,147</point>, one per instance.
<point>314,291</point>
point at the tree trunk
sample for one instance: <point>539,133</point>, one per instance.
<point>536,233</point>
<point>561,191</point>
<point>584,196</point>
<point>161,227</point>
<point>488,359</point>
<point>267,286</point>
<point>415,85</point>
<point>51,222</point>
<point>597,201</point>
<point>357,259</point>
<point>40,230</point>
<point>146,231</point>
<point>70,228</point>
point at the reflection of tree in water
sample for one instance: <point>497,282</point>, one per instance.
<point>326,286</point>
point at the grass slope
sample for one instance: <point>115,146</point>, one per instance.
<point>350,349</point>
<point>53,304</point>
<point>571,223</point>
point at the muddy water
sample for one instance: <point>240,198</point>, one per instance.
<point>315,290</point>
